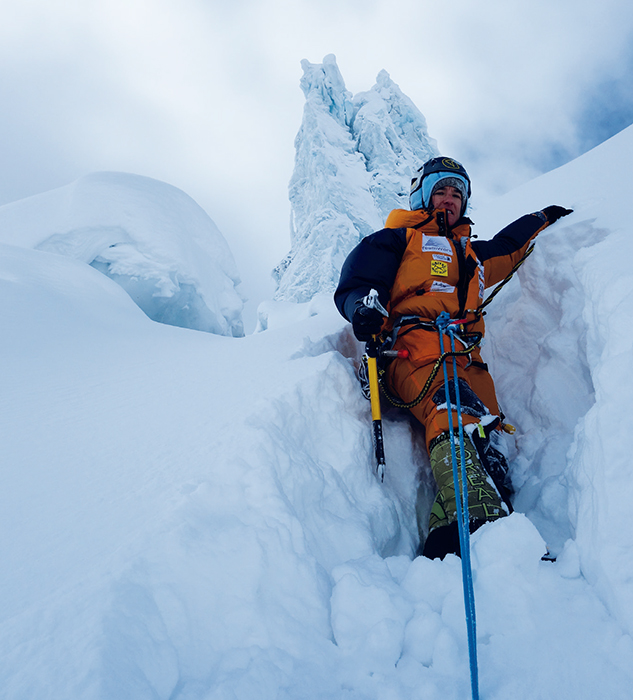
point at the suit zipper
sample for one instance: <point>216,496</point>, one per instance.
<point>462,283</point>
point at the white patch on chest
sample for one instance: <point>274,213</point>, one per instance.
<point>436,244</point>
<point>438,286</point>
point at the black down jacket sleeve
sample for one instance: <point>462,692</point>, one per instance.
<point>372,264</point>
<point>510,239</point>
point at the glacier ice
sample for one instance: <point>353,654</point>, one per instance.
<point>354,158</point>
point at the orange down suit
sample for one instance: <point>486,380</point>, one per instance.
<point>421,267</point>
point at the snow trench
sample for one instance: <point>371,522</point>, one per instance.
<point>302,561</point>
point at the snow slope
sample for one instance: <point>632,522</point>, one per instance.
<point>193,516</point>
<point>570,328</point>
<point>148,236</point>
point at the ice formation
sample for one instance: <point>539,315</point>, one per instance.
<point>354,160</point>
<point>149,237</point>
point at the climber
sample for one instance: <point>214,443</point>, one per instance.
<point>424,263</point>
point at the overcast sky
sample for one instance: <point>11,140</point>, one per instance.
<point>204,94</point>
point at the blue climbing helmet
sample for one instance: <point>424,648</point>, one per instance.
<point>435,173</point>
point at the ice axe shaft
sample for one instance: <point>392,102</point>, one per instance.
<point>376,417</point>
<point>371,349</point>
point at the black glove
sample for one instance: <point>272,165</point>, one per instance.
<point>366,322</point>
<point>554,213</point>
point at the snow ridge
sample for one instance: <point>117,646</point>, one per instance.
<point>149,237</point>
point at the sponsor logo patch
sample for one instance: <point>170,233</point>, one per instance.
<point>445,258</point>
<point>436,244</point>
<point>450,163</point>
<point>439,268</point>
<point>438,286</point>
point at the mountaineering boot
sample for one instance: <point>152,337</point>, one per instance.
<point>493,460</point>
<point>484,502</point>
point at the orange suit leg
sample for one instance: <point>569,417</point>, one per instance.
<point>407,381</point>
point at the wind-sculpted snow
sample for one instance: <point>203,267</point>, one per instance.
<point>541,334</point>
<point>188,516</point>
<point>149,237</point>
<point>560,354</point>
<point>353,164</point>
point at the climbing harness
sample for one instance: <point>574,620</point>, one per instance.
<point>474,339</point>
<point>378,351</point>
<point>447,327</point>
<point>470,341</point>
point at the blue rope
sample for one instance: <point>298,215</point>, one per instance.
<point>461,502</point>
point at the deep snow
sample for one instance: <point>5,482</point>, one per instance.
<point>193,516</point>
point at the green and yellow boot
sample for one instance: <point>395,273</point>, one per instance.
<point>484,502</point>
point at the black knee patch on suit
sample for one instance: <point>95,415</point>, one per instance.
<point>469,401</point>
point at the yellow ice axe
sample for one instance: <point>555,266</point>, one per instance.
<point>371,350</point>
<point>374,397</point>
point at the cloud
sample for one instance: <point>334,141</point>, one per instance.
<point>205,95</point>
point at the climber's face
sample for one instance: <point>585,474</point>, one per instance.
<point>450,199</point>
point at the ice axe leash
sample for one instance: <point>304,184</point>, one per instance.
<point>372,351</point>
<point>448,327</point>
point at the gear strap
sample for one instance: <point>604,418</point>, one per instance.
<point>398,403</point>
<point>479,310</point>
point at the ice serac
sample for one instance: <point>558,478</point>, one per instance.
<point>149,237</point>
<point>354,158</point>
<point>392,135</point>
